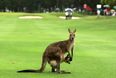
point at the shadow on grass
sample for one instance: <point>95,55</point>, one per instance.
<point>9,71</point>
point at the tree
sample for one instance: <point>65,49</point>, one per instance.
<point>39,5</point>
<point>110,2</point>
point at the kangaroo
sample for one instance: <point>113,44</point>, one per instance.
<point>55,52</point>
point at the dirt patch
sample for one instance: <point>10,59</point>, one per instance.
<point>30,17</point>
<point>63,17</point>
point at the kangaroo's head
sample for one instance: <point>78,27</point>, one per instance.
<point>71,34</point>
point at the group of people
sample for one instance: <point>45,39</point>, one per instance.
<point>109,12</point>
<point>106,10</point>
<point>100,11</point>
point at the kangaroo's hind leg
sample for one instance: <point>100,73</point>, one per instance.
<point>61,71</point>
<point>53,69</point>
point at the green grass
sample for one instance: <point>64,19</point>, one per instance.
<point>22,43</point>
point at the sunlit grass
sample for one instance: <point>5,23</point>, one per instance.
<point>22,43</point>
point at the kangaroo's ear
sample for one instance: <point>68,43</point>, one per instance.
<point>69,30</point>
<point>74,31</point>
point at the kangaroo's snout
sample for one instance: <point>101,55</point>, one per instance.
<point>72,36</point>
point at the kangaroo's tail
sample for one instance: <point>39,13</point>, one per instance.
<point>44,61</point>
<point>28,70</point>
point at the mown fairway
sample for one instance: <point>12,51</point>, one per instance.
<point>22,43</point>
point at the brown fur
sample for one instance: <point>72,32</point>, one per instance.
<point>54,54</point>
